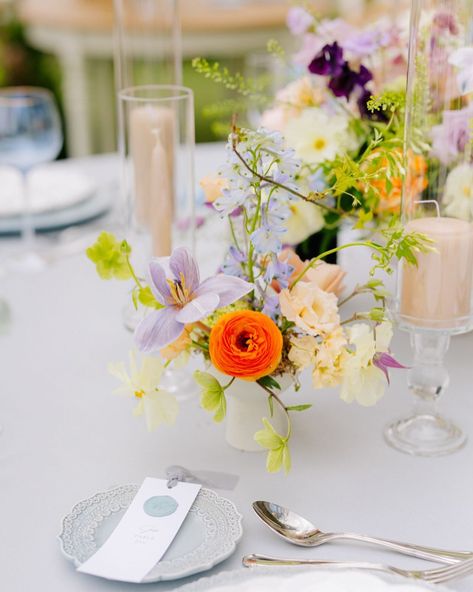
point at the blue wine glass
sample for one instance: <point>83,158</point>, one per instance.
<point>30,135</point>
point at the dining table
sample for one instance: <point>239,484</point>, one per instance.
<point>66,435</point>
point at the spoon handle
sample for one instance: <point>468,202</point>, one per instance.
<point>419,551</point>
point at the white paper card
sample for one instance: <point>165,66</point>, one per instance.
<point>144,533</point>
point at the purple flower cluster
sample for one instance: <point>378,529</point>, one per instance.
<point>343,80</point>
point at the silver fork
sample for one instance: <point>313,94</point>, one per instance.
<point>434,576</point>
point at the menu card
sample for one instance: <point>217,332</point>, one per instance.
<point>144,533</point>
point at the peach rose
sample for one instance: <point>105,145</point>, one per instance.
<point>327,276</point>
<point>312,309</point>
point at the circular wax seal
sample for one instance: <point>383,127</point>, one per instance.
<point>159,506</point>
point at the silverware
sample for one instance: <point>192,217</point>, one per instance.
<point>299,531</point>
<point>434,576</point>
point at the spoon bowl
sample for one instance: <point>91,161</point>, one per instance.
<point>289,525</point>
<point>298,530</point>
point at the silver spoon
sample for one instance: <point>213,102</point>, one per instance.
<point>299,531</point>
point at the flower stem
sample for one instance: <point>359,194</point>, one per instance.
<point>132,272</point>
<point>283,407</point>
<point>313,261</point>
<point>317,196</point>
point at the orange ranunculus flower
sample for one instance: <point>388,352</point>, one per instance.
<point>390,199</point>
<point>246,344</point>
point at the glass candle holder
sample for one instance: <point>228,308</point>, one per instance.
<point>157,155</point>
<point>158,182</point>
<point>147,43</point>
<point>434,299</point>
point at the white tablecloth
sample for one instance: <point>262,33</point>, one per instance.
<point>67,436</point>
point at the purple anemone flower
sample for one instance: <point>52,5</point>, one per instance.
<point>184,297</point>
<point>329,61</point>
<point>383,361</point>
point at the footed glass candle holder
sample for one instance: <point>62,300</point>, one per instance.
<point>434,297</point>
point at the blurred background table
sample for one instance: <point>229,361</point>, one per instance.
<point>80,30</point>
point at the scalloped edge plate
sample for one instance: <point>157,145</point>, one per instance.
<point>215,524</point>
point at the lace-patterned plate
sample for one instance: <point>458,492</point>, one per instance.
<point>208,535</point>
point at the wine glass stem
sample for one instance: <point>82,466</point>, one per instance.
<point>428,377</point>
<point>28,233</point>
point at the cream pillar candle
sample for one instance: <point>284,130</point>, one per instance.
<point>437,293</point>
<point>161,202</point>
<point>144,122</point>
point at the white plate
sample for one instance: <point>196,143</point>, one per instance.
<point>80,213</point>
<point>50,188</point>
<point>301,579</point>
<point>208,535</point>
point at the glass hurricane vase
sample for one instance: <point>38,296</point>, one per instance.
<point>434,298</point>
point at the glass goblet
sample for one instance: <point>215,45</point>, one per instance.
<point>30,135</point>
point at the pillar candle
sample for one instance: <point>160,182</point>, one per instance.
<point>437,293</point>
<point>150,126</point>
<point>161,202</point>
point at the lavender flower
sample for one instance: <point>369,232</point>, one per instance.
<point>265,240</point>
<point>184,298</point>
<point>271,305</point>
<point>278,270</point>
<point>299,20</point>
<point>233,262</point>
<point>450,138</point>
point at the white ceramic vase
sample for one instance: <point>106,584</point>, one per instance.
<point>247,404</point>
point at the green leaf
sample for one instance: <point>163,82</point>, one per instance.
<point>274,460</point>
<point>268,437</point>
<point>279,458</point>
<point>146,298</point>
<point>271,405</point>
<point>377,314</point>
<point>207,381</point>
<point>212,396</point>
<point>269,382</point>
<point>110,257</point>
<point>299,407</point>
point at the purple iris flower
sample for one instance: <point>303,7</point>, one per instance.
<point>343,80</point>
<point>184,297</point>
<point>329,61</point>
<point>344,83</point>
<point>383,361</point>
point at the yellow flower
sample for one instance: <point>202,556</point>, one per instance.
<point>142,384</point>
<point>312,309</point>
<point>330,360</point>
<point>362,381</point>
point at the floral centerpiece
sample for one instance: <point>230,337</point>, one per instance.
<point>266,315</point>
<point>343,115</point>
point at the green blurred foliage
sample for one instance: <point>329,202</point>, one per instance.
<point>23,65</point>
